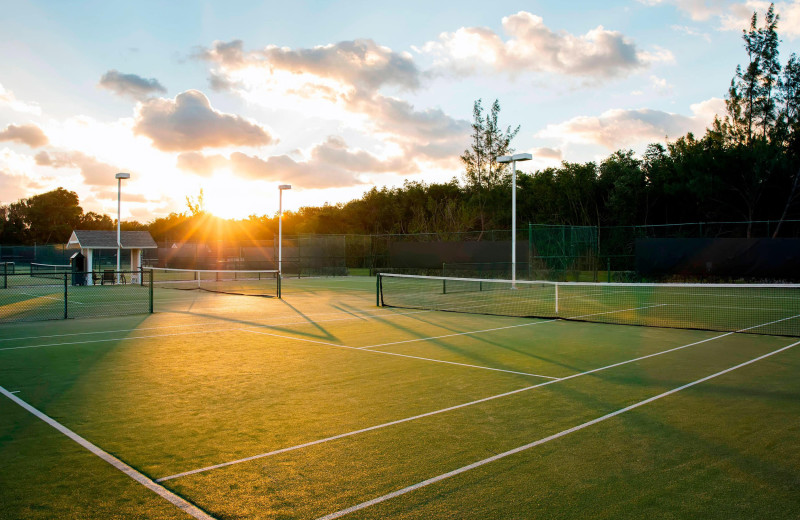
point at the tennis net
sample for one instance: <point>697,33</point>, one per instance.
<point>753,308</point>
<point>248,283</point>
<point>51,271</point>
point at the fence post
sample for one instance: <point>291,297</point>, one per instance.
<point>150,290</point>
<point>66,299</point>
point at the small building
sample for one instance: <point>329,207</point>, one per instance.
<point>90,240</point>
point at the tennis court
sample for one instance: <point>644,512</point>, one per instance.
<point>323,405</point>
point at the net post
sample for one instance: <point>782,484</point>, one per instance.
<point>150,290</point>
<point>556,286</point>
<point>378,290</point>
<point>278,275</point>
<point>66,313</point>
<point>444,286</point>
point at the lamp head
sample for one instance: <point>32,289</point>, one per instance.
<point>285,187</point>
<point>516,157</point>
<point>123,176</point>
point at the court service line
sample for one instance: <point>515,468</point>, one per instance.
<point>463,405</point>
<point>181,503</point>
<point>506,327</point>
<point>402,355</point>
<point>541,441</point>
<point>440,411</point>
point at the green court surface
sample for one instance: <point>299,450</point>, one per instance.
<point>322,405</point>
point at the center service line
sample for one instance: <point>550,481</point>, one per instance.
<point>519,449</point>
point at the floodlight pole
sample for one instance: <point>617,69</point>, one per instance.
<point>513,160</point>
<point>280,224</point>
<point>119,178</point>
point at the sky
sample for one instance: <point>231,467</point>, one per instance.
<point>334,98</point>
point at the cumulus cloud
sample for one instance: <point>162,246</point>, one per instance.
<point>618,128</point>
<point>361,63</point>
<point>330,164</point>
<point>341,82</point>
<point>532,46</point>
<point>8,99</point>
<point>94,172</point>
<point>30,135</point>
<point>189,123</point>
<point>130,85</point>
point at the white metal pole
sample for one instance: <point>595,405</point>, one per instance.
<point>119,232</point>
<point>280,230</point>
<point>513,224</point>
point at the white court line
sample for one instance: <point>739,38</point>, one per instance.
<point>218,322</point>
<point>508,327</point>
<point>463,405</point>
<point>404,355</point>
<point>14,392</point>
<point>228,329</point>
<point>187,507</point>
<point>451,335</point>
<point>448,409</point>
<point>519,449</point>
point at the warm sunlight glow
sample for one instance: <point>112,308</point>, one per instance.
<point>227,196</point>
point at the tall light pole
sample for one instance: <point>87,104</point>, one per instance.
<point>119,178</point>
<point>513,160</point>
<point>280,224</point>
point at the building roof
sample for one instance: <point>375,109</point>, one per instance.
<point>94,239</point>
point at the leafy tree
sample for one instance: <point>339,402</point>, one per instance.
<point>196,205</point>
<point>50,217</point>
<point>482,173</point>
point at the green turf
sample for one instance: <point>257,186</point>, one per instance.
<point>213,378</point>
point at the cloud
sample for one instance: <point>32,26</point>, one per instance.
<point>736,16</point>
<point>8,99</point>
<point>94,172</point>
<point>533,47</point>
<point>127,196</point>
<point>618,128</point>
<point>30,135</point>
<point>130,85</point>
<point>330,164</point>
<point>189,123</point>
<point>340,82</point>
<point>361,63</point>
<point>548,153</point>
<point>660,86</point>
<point>698,10</point>
<point>692,32</point>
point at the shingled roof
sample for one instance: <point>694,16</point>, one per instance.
<point>94,239</point>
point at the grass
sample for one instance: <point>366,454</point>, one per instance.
<point>210,379</point>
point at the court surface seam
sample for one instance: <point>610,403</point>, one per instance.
<point>179,502</point>
<point>562,433</point>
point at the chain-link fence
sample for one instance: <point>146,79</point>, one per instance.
<point>36,295</point>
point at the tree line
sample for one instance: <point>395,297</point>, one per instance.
<point>745,167</point>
